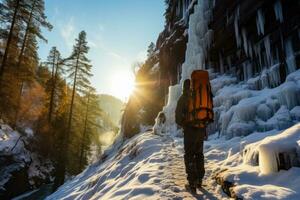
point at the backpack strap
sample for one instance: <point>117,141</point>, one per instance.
<point>207,101</point>
<point>194,99</point>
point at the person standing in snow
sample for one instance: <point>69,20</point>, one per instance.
<point>193,137</point>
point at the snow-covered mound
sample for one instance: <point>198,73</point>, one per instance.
<point>250,164</point>
<point>270,151</point>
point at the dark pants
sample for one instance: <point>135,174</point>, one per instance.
<point>193,157</point>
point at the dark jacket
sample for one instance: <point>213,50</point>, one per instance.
<point>182,109</point>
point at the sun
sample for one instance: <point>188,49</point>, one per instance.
<point>122,85</point>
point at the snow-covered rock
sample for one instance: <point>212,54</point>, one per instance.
<point>268,150</point>
<point>250,164</point>
<point>19,165</point>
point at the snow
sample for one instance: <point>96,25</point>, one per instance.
<point>270,147</point>
<point>236,160</point>
<point>11,149</point>
<point>151,166</point>
<point>146,167</point>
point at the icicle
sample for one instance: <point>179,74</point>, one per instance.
<point>250,49</point>
<point>260,22</point>
<point>274,75</point>
<point>290,57</point>
<point>278,11</point>
<point>268,49</point>
<point>244,34</point>
<point>221,63</point>
<point>247,68</point>
<point>257,51</point>
<point>264,81</point>
<point>228,62</point>
<point>236,27</point>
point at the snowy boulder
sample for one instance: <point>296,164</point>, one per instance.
<point>295,113</point>
<point>264,112</point>
<point>276,152</point>
<point>273,104</point>
<point>241,129</point>
<point>289,94</point>
<point>281,119</point>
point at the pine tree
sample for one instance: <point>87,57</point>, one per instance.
<point>92,114</point>
<point>55,62</point>
<point>9,14</point>
<point>151,49</point>
<point>20,49</point>
<point>34,20</point>
<point>11,26</point>
<point>79,73</point>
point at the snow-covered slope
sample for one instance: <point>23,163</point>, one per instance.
<point>151,167</point>
<point>146,167</point>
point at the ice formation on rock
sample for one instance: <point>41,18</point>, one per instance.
<point>199,41</point>
<point>269,148</point>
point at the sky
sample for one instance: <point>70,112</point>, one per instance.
<point>118,34</point>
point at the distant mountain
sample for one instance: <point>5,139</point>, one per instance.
<point>112,106</point>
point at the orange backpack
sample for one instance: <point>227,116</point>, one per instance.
<point>200,112</point>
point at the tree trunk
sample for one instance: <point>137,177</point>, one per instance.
<point>71,113</point>
<point>84,132</point>
<point>26,35</point>
<point>10,35</point>
<point>73,97</point>
<point>18,103</point>
<point>54,77</point>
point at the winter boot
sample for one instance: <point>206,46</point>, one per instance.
<point>191,188</point>
<point>199,184</point>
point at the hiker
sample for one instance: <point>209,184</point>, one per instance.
<point>193,117</point>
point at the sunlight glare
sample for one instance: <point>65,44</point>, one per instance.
<point>122,85</point>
